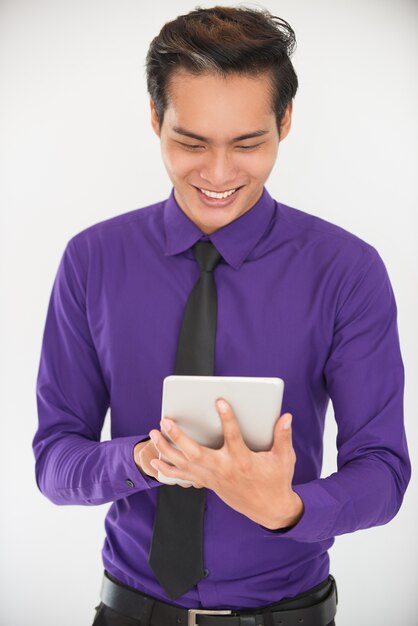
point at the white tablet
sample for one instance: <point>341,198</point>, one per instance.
<point>190,402</point>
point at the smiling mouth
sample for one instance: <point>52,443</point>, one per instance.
<point>236,189</point>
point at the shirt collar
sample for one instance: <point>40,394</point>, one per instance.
<point>235,241</point>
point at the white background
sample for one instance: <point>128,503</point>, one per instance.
<point>76,147</point>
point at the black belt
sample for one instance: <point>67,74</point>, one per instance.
<point>132,603</point>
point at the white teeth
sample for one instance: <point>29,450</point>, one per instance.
<point>212,194</point>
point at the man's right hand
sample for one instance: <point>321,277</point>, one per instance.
<point>144,453</point>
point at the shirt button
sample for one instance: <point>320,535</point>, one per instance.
<point>129,483</point>
<point>205,573</point>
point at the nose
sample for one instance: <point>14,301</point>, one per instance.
<point>219,170</point>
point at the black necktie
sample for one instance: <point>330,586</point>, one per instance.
<point>176,554</point>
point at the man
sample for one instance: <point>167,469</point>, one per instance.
<point>298,298</point>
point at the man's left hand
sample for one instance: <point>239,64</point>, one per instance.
<point>256,484</point>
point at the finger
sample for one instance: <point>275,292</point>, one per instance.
<point>167,450</point>
<point>191,450</point>
<point>230,426</point>
<point>283,433</point>
<point>145,456</point>
<point>169,470</point>
<point>195,485</point>
<point>175,472</point>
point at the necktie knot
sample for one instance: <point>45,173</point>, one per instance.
<point>206,255</point>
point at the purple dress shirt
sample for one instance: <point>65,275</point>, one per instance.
<point>298,298</point>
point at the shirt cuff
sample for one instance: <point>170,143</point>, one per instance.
<point>320,512</point>
<point>123,472</point>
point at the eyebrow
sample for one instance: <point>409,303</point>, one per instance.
<point>188,133</point>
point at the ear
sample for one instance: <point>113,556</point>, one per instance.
<point>286,121</point>
<point>154,119</point>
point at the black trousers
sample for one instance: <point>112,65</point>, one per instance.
<point>105,616</point>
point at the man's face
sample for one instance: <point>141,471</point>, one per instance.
<point>218,110</point>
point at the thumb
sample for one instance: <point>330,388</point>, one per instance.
<point>282,430</point>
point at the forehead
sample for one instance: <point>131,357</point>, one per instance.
<point>212,105</point>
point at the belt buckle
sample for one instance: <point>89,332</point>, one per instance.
<point>193,612</point>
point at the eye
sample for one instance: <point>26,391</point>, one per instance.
<point>189,147</point>
<point>249,147</point>
<point>196,147</point>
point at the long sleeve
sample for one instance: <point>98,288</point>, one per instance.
<point>72,465</point>
<point>364,376</point>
